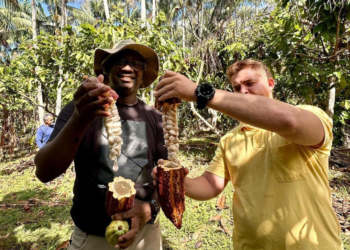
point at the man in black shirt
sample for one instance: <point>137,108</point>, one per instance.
<point>80,135</point>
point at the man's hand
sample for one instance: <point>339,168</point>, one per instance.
<point>139,214</point>
<point>173,84</point>
<point>88,99</point>
<point>154,171</point>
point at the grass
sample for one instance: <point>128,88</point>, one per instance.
<point>47,224</point>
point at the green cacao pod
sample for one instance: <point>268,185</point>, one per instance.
<point>116,229</point>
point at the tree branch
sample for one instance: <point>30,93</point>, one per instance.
<point>324,58</point>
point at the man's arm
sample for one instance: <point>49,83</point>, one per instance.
<point>205,187</point>
<point>53,159</point>
<point>294,124</point>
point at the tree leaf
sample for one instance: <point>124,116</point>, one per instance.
<point>318,28</point>
<point>347,104</point>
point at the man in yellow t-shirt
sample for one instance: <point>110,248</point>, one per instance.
<point>277,160</point>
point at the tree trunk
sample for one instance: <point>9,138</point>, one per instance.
<point>127,9</point>
<point>183,28</point>
<point>143,10</point>
<point>64,14</point>
<point>39,89</point>
<point>202,22</point>
<point>105,4</point>
<point>154,10</point>
<point>59,92</point>
<point>61,73</point>
<point>35,25</point>
<point>346,132</point>
<point>331,97</point>
<point>41,104</point>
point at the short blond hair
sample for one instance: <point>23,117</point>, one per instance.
<point>247,63</point>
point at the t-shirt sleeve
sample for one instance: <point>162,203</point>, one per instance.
<point>62,119</point>
<point>218,165</point>
<point>327,124</point>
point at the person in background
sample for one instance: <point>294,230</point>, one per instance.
<point>45,130</point>
<point>277,159</point>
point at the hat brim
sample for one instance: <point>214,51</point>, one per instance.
<point>152,67</point>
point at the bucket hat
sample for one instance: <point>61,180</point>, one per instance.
<point>152,62</point>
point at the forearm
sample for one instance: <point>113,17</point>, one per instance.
<point>201,188</point>
<point>255,110</point>
<point>53,159</point>
<point>294,124</point>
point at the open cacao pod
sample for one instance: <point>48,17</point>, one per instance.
<point>170,175</point>
<point>120,195</point>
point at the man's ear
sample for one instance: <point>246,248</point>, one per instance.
<point>271,83</point>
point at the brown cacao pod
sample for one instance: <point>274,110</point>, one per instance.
<point>120,195</point>
<point>171,192</point>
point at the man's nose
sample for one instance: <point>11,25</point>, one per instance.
<point>127,67</point>
<point>243,90</point>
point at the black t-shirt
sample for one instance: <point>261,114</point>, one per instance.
<point>143,146</point>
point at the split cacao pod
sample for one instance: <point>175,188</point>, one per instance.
<point>171,192</point>
<point>120,195</point>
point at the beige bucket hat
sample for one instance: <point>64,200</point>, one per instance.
<point>152,67</point>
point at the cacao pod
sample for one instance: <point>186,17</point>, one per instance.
<point>171,192</point>
<point>120,195</point>
<point>116,229</point>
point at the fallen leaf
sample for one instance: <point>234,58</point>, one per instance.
<point>196,235</point>
<point>220,229</point>
<point>27,208</point>
<point>221,202</point>
<point>223,225</point>
<point>41,213</point>
<point>63,245</point>
<point>198,244</point>
<point>215,218</point>
<point>184,240</point>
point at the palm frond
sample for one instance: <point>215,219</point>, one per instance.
<point>12,5</point>
<point>22,23</point>
<point>81,16</point>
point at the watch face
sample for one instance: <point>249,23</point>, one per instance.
<point>206,90</point>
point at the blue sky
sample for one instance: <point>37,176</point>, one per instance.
<point>75,4</point>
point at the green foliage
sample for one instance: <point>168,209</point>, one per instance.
<point>305,48</point>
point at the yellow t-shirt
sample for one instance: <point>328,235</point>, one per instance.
<point>282,198</point>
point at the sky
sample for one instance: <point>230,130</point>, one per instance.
<point>75,4</point>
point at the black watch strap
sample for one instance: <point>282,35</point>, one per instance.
<point>202,102</point>
<point>154,211</point>
<point>204,93</point>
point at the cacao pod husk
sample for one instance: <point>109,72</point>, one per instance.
<point>171,192</point>
<point>120,195</point>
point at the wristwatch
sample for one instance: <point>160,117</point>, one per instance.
<point>154,211</point>
<point>204,92</point>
